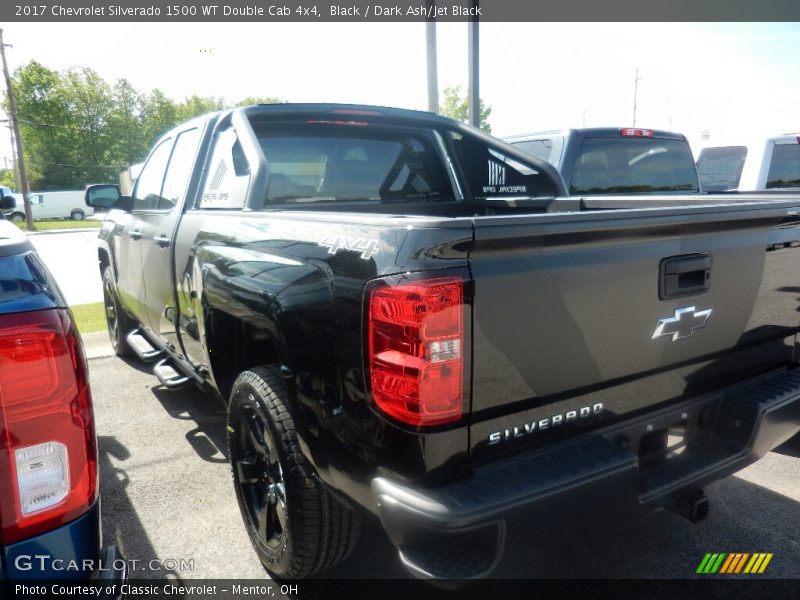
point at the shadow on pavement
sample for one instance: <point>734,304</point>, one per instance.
<point>127,533</point>
<point>208,439</point>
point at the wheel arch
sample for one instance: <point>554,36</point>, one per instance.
<point>235,345</point>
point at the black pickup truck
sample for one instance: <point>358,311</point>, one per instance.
<point>408,317</point>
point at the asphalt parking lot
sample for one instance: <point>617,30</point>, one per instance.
<point>167,496</point>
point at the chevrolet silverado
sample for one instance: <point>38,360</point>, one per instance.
<point>409,318</point>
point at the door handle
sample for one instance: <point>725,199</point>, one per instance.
<point>135,235</point>
<point>161,241</point>
<point>686,275</point>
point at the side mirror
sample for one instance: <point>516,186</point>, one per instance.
<point>8,202</point>
<point>105,196</point>
<point>101,195</point>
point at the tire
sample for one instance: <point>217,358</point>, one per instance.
<point>117,320</point>
<point>296,527</point>
<point>77,215</point>
<point>17,217</point>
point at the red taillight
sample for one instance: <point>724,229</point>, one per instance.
<point>632,132</point>
<point>416,350</point>
<point>48,450</point>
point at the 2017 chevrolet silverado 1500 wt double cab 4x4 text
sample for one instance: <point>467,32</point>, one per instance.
<point>411,318</point>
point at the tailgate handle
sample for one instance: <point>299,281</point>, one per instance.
<point>687,275</point>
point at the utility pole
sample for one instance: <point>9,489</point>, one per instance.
<point>12,110</point>
<point>433,72</point>
<point>635,93</point>
<point>17,185</point>
<point>474,91</point>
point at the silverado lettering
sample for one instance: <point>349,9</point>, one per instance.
<point>544,424</point>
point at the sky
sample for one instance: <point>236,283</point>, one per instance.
<point>719,81</point>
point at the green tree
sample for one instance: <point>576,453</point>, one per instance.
<point>260,100</point>
<point>77,129</point>
<point>7,178</point>
<point>159,116</point>
<point>91,142</point>
<point>65,123</point>
<point>456,106</point>
<point>44,120</point>
<point>129,138</point>
<point>195,106</point>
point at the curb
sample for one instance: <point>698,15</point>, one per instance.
<point>97,344</point>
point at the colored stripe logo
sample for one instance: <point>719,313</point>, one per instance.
<point>734,563</point>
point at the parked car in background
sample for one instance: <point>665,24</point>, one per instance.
<point>49,500</point>
<point>614,160</point>
<point>51,205</point>
<point>771,163</point>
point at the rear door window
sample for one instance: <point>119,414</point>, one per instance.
<point>784,169</point>
<point>720,169</point>
<point>228,174</point>
<point>633,166</point>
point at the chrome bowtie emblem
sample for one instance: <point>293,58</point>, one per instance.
<point>683,324</point>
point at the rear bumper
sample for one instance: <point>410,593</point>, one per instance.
<point>72,552</point>
<point>458,531</point>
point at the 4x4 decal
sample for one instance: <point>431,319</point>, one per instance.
<point>367,246</point>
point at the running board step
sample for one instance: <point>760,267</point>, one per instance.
<point>169,377</point>
<point>142,348</point>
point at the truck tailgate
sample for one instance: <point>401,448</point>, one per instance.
<point>582,319</point>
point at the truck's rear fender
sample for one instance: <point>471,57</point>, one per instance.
<point>245,297</point>
<point>272,289</point>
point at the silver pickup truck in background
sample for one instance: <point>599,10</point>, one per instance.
<point>599,161</point>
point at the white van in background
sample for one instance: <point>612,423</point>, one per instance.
<point>52,205</point>
<point>765,164</point>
